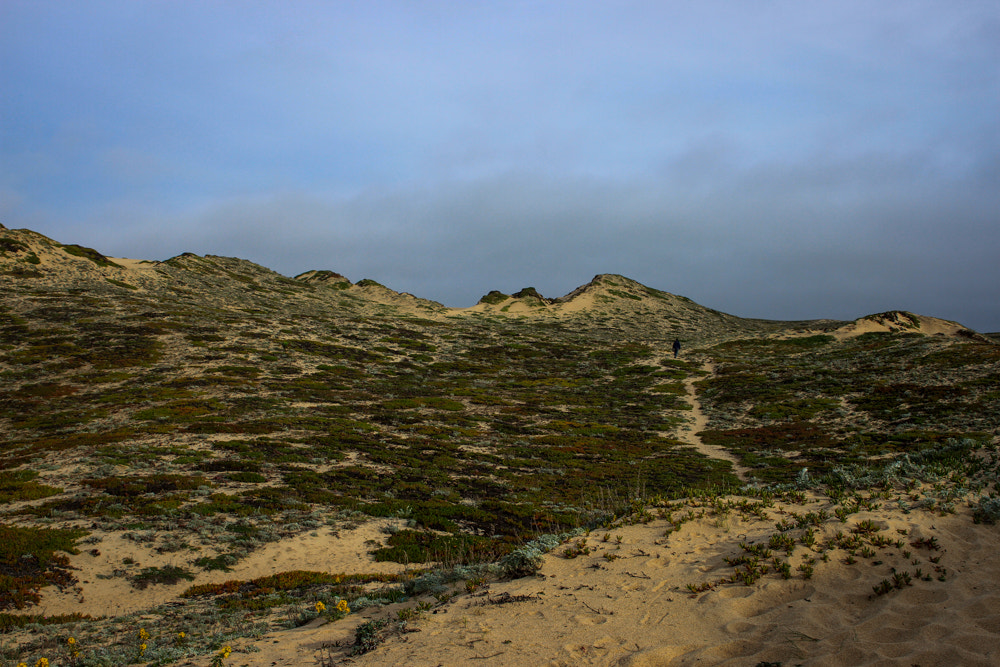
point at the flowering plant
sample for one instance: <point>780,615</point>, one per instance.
<point>219,658</point>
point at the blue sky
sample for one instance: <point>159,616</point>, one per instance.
<point>785,160</point>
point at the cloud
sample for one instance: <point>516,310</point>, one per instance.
<point>789,160</point>
<point>779,241</point>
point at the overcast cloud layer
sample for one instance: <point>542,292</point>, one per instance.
<point>785,160</point>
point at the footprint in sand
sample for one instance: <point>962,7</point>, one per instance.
<point>897,620</point>
<point>656,657</point>
<point>738,627</point>
<point>735,592</point>
<point>597,649</point>
<point>767,599</point>
<point>741,648</point>
<point>657,587</point>
<point>922,597</point>
<point>582,619</point>
<point>853,574</point>
<point>990,624</point>
<point>656,563</point>
<point>983,614</point>
<point>935,632</point>
<point>969,640</point>
<point>802,593</point>
<point>983,608</point>
<point>648,619</point>
<point>891,635</point>
<point>895,650</point>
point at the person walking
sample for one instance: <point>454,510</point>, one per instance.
<point>677,346</point>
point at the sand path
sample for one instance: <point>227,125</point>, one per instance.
<point>699,421</point>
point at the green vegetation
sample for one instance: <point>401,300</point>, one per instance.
<point>170,574</point>
<point>410,546</point>
<point>8,244</point>
<point>785,405</point>
<point>29,561</point>
<point>20,485</point>
<point>88,253</point>
<point>222,406</point>
<point>494,298</point>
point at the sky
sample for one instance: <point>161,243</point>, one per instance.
<point>776,159</point>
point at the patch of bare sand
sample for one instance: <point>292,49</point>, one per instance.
<point>929,326</point>
<point>627,604</point>
<point>578,303</point>
<point>134,264</point>
<point>105,590</point>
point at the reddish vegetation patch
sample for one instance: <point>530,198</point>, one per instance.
<point>28,562</point>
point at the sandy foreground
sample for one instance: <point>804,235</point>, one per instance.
<point>627,602</point>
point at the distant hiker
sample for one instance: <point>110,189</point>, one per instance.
<point>677,346</point>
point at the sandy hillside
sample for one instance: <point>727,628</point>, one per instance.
<point>627,602</point>
<point>201,412</point>
<point>134,264</point>
<point>899,321</point>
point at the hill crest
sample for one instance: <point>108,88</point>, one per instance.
<point>607,300</point>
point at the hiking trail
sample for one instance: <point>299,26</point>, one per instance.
<point>688,433</point>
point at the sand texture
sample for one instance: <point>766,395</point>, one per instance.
<point>627,603</point>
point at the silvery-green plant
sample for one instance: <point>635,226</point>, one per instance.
<point>987,511</point>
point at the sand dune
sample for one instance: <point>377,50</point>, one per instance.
<point>627,602</point>
<point>899,321</point>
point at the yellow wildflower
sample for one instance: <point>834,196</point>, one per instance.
<point>42,662</point>
<point>218,658</point>
<point>70,641</point>
<point>320,607</point>
<point>143,635</point>
<point>343,608</point>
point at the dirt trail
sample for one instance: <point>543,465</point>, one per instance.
<point>689,432</point>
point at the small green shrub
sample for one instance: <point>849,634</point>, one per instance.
<point>494,297</point>
<point>88,253</point>
<point>169,574</point>
<point>368,636</point>
<point>29,561</point>
<point>987,511</point>
<point>19,485</point>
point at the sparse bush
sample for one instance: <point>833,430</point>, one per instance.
<point>987,511</point>
<point>368,636</point>
<point>169,574</point>
<point>527,560</point>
